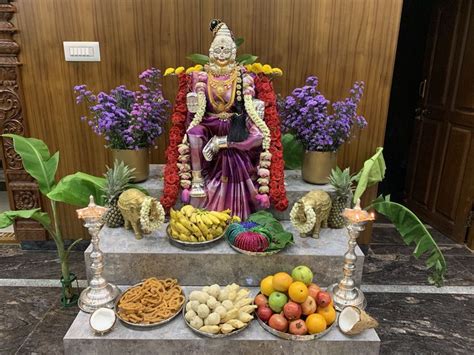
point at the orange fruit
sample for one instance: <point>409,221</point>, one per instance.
<point>281,281</point>
<point>329,314</point>
<point>266,285</point>
<point>298,292</point>
<point>315,323</point>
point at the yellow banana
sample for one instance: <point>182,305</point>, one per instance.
<point>172,213</point>
<point>182,229</point>
<point>187,210</point>
<point>196,231</point>
<point>184,238</point>
<point>193,218</point>
<point>213,218</point>
<point>205,218</point>
<point>192,238</point>
<point>202,226</point>
<point>223,217</point>
<point>219,231</point>
<point>202,239</point>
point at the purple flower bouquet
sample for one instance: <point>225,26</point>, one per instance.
<point>305,114</point>
<point>127,119</point>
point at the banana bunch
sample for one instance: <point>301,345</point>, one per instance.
<point>196,225</point>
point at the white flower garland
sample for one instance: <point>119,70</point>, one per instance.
<point>146,222</point>
<point>200,111</point>
<point>307,226</point>
<point>261,125</point>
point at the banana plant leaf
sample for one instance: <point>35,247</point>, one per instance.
<point>244,59</point>
<point>198,58</point>
<point>7,218</point>
<point>371,173</point>
<point>413,231</point>
<point>239,41</point>
<point>293,151</point>
<point>75,189</point>
<point>37,160</point>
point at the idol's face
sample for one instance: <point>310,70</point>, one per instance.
<point>222,51</point>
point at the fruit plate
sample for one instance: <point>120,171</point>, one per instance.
<point>193,245</point>
<point>150,325</point>
<point>253,253</point>
<point>213,336</point>
<point>289,336</point>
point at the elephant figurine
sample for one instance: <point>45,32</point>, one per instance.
<point>143,213</point>
<point>311,213</point>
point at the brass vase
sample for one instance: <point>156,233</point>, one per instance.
<point>137,159</point>
<point>317,166</point>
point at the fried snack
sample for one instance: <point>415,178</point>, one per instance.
<point>151,302</point>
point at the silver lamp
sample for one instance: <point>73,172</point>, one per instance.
<point>100,293</point>
<point>345,293</point>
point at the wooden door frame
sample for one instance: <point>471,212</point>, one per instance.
<point>23,192</point>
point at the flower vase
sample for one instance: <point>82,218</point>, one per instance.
<point>136,159</point>
<point>317,166</point>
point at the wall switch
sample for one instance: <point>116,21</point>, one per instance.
<point>81,51</point>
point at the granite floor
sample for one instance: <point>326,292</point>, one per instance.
<point>32,320</point>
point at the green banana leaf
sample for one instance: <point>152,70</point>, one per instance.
<point>7,218</point>
<point>371,173</point>
<point>413,231</point>
<point>239,41</point>
<point>198,58</point>
<point>75,189</point>
<point>244,59</point>
<point>37,160</point>
<point>293,151</point>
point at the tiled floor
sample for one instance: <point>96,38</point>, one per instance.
<point>32,320</point>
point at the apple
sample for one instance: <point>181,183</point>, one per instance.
<point>261,300</point>
<point>298,327</point>
<point>264,313</point>
<point>292,310</point>
<point>323,299</point>
<point>302,273</point>
<point>278,322</point>
<point>313,290</point>
<point>277,300</point>
<point>308,306</point>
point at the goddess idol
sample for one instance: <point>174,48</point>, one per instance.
<point>225,143</point>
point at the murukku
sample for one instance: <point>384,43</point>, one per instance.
<point>151,301</point>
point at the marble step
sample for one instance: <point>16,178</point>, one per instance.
<point>128,260</point>
<point>295,187</point>
<point>176,338</point>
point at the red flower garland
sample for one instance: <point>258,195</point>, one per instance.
<point>264,90</point>
<point>176,134</point>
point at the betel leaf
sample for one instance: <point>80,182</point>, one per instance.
<point>239,41</point>
<point>413,231</point>
<point>75,189</point>
<point>293,151</point>
<point>37,160</point>
<point>371,173</point>
<point>245,59</point>
<point>279,237</point>
<point>198,58</point>
<point>7,218</point>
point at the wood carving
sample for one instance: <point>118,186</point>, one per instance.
<point>22,190</point>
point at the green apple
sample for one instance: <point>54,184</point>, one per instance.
<point>302,273</point>
<point>276,301</point>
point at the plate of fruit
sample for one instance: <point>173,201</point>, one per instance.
<point>293,307</point>
<point>261,234</point>
<point>218,312</point>
<point>194,228</point>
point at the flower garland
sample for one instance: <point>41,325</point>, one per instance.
<point>177,132</point>
<point>145,221</point>
<point>277,191</point>
<point>254,116</point>
<point>200,111</point>
<point>308,225</point>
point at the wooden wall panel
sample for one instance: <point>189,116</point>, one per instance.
<point>340,41</point>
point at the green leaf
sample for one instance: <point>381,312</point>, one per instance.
<point>198,58</point>
<point>279,237</point>
<point>7,218</point>
<point>246,59</point>
<point>372,172</point>
<point>413,231</point>
<point>293,151</point>
<point>75,189</point>
<point>73,244</point>
<point>37,160</point>
<point>239,41</point>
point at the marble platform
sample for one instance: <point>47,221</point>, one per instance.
<point>295,187</point>
<point>128,260</point>
<point>176,338</point>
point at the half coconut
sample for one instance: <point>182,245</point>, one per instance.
<point>354,320</point>
<point>102,320</point>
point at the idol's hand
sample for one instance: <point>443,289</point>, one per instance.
<point>213,146</point>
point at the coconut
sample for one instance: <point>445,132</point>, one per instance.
<point>102,320</point>
<point>353,320</point>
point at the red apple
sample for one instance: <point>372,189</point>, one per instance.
<point>264,313</point>
<point>298,327</point>
<point>292,310</point>
<point>323,299</point>
<point>261,300</point>
<point>308,306</point>
<point>313,291</point>
<point>278,322</point>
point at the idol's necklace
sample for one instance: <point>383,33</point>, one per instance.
<point>220,88</point>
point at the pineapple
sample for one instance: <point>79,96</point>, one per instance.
<point>341,180</point>
<point>116,180</point>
